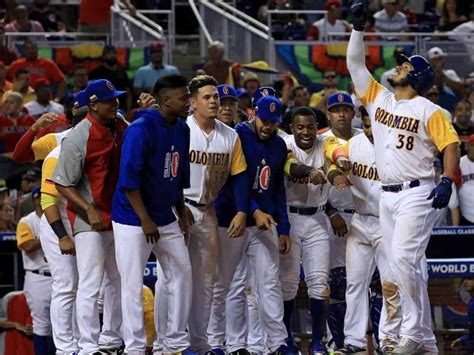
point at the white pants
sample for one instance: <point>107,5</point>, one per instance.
<point>228,321</point>
<point>310,244</point>
<point>338,244</point>
<point>203,253</point>
<point>64,274</point>
<point>95,254</point>
<point>132,252</point>
<point>365,250</point>
<point>407,219</point>
<point>263,255</point>
<point>38,290</point>
<point>256,337</point>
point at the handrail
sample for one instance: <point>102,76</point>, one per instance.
<point>242,15</point>
<point>137,23</point>
<point>204,29</point>
<point>145,19</point>
<point>241,23</point>
<point>310,12</point>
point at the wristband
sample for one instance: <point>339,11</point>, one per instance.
<point>332,214</point>
<point>58,228</point>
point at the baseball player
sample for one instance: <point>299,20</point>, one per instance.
<point>340,113</point>
<point>154,170</point>
<point>408,130</point>
<point>86,174</point>
<point>58,247</point>
<point>466,187</point>
<point>365,248</point>
<point>215,152</point>
<point>38,280</point>
<point>268,225</point>
<point>306,194</point>
<point>228,321</point>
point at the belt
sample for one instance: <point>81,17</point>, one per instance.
<point>400,187</point>
<point>340,210</point>
<point>40,272</point>
<point>194,203</point>
<point>306,211</point>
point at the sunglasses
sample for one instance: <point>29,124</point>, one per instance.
<point>330,77</point>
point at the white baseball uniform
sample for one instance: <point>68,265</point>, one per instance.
<point>213,157</point>
<point>466,190</point>
<point>309,234</point>
<point>342,201</point>
<point>38,279</point>
<point>407,134</point>
<point>365,248</point>
<point>63,267</point>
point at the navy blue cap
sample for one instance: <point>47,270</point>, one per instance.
<point>242,92</point>
<point>36,192</point>
<point>227,92</point>
<point>101,90</point>
<point>340,98</point>
<point>261,92</point>
<point>269,108</point>
<point>80,100</point>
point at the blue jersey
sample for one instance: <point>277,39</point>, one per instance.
<point>265,171</point>
<point>155,160</point>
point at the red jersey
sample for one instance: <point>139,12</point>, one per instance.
<point>93,12</point>
<point>11,131</point>
<point>40,68</point>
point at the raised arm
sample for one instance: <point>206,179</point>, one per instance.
<point>355,50</point>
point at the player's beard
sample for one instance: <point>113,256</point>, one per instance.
<point>400,83</point>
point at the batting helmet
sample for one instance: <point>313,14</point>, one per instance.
<point>421,78</point>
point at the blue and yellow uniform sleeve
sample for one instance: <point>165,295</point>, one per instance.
<point>238,163</point>
<point>371,93</point>
<point>43,146</point>
<point>24,233</point>
<point>441,130</point>
<point>49,193</point>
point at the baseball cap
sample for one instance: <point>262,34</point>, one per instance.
<point>157,46</point>
<point>470,139</point>
<point>80,100</point>
<point>227,92</point>
<point>41,82</point>
<point>101,90</point>
<point>269,108</point>
<point>330,3</point>
<point>340,98</point>
<point>242,92</point>
<point>32,174</point>
<point>36,192</point>
<point>436,52</point>
<point>262,92</point>
<point>3,185</point>
<point>109,48</point>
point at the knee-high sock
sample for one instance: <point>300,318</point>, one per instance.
<point>318,310</point>
<point>336,315</point>
<point>43,345</point>
<point>289,306</point>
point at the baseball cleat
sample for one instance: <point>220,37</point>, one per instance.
<point>386,346</point>
<point>317,348</point>
<point>351,349</point>
<point>290,348</point>
<point>113,351</point>
<point>242,351</point>
<point>408,347</point>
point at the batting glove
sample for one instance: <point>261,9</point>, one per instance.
<point>441,193</point>
<point>359,15</point>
